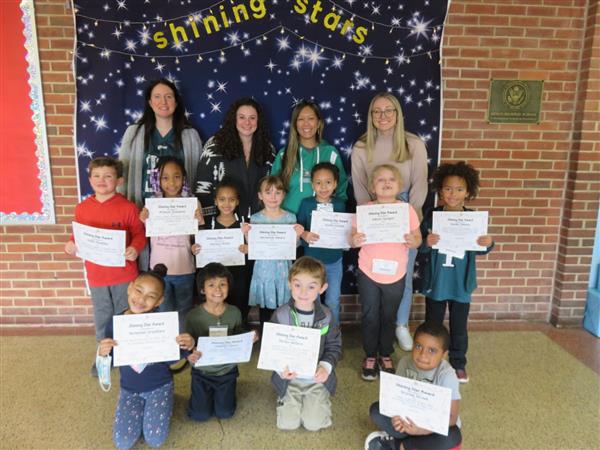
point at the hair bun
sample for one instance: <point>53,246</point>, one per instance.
<point>160,270</point>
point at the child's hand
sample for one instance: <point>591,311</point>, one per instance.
<point>196,249</point>
<point>432,239</point>
<point>287,375</point>
<point>131,253</point>
<point>256,337</point>
<point>194,357</point>
<point>485,240</point>
<point>70,248</point>
<point>321,375</point>
<point>244,249</point>
<point>310,237</point>
<point>413,239</point>
<point>106,346</point>
<point>357,239</point>
<point>408,426</point>
<point>185,341</point>
<point>144,214</point>
<point>245,228</point>
<point>299,229</point>
<point>198,215</point>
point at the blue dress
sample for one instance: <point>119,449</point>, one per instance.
<point>269,285</point>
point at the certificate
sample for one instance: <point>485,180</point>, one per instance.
<point>222,246</point>
<point>459,230</point>
<point>225,349</point>
<point>171,216</point>
<point>271,242</point>
<point>145,338</point>
<point>426,404</point>
<point>294,348</point>
<point>383,223</point>
<point>100,246</point>
<point>333,229</point>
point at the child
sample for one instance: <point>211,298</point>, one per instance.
<point>454,285</point>
<point>306,401</point>
<point>169,181</point>
<point>226,202</point>
<point>381,271</point>
<point>325,177</point>
<point>109,210</point>
<point>146,396</point>
<point>268,288</point>
<point>213,387</point>
<point>426,363</point>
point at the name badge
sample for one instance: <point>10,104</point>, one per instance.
<point>385,266</point>
<point>217,330</point>
<point>327,207</point>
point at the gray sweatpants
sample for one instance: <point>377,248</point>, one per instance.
<point>107,301</point>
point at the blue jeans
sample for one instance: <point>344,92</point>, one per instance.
<point>334,272</point>
<point>406,302</point>
<point>179,295</point>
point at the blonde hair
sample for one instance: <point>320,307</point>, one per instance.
<point>400,151</point>
<point>310,266</point>
<point>270,181</point>
<point>381,167</point>
<point>290,157</point>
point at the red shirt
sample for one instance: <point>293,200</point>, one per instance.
<point>116,213</point>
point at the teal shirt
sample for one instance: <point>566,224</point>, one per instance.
<point>307,206</point>
<point>157,146</point>
<point>448,283</point>
<point>300,182</point>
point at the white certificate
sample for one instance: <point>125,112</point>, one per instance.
<point>222,246</point>
<point>333,228</point>
<point>225,349</point>
<point>426,404</point>
<point>100,246</point>
<point>459,230</point>
<point>383,223</point>
<point>145,338</point>
<point>294,348</point>
<point>271,242</point>
<point>171,216</point>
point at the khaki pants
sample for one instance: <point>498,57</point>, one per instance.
<point>304,404</point>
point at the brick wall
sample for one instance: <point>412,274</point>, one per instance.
<point>539,181</point>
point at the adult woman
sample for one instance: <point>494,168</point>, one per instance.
<point>163,130</point>
<point>386,142</point>
<point>305,149</point>
<point>240,152</point>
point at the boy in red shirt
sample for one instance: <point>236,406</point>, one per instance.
<point>109,210</point>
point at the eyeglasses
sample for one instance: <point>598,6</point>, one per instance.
<point>388,112</point>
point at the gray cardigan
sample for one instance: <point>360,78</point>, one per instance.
<point>131,154</point>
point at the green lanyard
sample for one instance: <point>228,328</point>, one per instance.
<point>324,330</point>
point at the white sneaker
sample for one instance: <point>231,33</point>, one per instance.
<point>379,440</point>
<point>404,338</point>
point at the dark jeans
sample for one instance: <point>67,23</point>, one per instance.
<point>459,339</point>
<point>431,441</point>
<point>213,395</point>
<point>379,305</point>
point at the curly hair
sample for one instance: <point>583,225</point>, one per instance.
<point>460,169</point>
<point>228,140</point>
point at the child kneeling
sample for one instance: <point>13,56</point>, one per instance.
<point>426,363</point>
<point>306,401</point>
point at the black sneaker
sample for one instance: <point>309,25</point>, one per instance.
<point>369,369</point>
<point>386,364</point>
<point>379,440</point>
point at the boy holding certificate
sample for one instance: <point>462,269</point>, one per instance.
<point>109,210</point>
<point>427,363</point>
<point>306,401</point>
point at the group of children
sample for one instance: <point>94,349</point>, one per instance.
<point>285,293</point>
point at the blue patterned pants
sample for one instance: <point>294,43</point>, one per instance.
<point>143,412</point>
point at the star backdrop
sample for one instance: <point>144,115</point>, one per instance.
<point>336,53</point>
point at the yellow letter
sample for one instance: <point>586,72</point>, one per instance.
<point>194,27</point>
<point>258,7</point>
<point>347,24</point>
<point>211,19</point>
<point>240,9</point>
<point>359,35</point>
<point>160,39</point>
<point>224,17</point>
<point>331,25</point>
<point>317,8</point>
<point>300,7</point>
<point>175,30</point>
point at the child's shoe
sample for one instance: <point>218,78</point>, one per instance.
<point>386,364</point>
<point>462,376</point>
<point>369,369</point>
<point>404,338</point>
<point>379,440</point>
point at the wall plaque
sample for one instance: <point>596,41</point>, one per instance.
<point>515,101</point>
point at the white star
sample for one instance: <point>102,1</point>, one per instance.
<point>105,54</point>
<point>160,67</point>
<point>117,33</point>
<point>337,62</point>
<point>221,87</point>
<point>140,79</point>
<point>85,106</point>
<point>233,38</point>
<point>121,4</point>
<point>419,27</point>
<point>215,107</point>
<point>130,45</point>
<point>144,35</point>
<point>271,65</point>
<point>283,43</point>
<point>314,56</point>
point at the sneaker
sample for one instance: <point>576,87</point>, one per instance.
<point>462,376</point>
<point>94,371</point>
<point>404,338</point>
<point>386,364</point>
<point>369,369</point>
<point>379,440</point>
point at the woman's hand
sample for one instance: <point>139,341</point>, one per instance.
<point>245,228</point>
<point>321,375</point>
<point>131,253</point>
<point>287,375</point>
<point>408,426</point>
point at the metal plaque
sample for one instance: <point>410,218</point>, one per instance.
<point>515,101</point>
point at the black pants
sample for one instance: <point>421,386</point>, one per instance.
<point>459,339</point>
<point>213,395</point>
<point>379,307</point>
